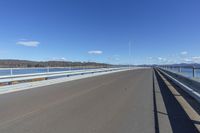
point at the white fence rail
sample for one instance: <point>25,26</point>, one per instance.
<point>190,86</point>
<point>24,77</point>
<point>19,71</point>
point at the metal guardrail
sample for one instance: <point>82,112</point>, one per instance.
<point>34,70</point>
<point>37,74</point>
<point>189,71</point>
<point>24,77</point>
<point>192,87</point>
<point>29,85</point>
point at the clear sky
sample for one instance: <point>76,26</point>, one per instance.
<point>158,31</point>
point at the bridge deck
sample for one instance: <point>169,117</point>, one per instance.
<point>121,102</point>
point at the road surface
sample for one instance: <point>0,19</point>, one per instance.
<point>115,103</point>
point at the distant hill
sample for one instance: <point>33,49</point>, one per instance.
<point>187,65</point>
<point>182,65</point>
<point>26,63</point>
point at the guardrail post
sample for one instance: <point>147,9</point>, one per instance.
<point>47,69</point>
<point>11,71</point>
<point>193,71</point>
<point>179,69</point>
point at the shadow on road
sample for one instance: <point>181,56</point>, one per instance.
<point>179,120</point>
<point>155,108</point>
<point>195,105</point>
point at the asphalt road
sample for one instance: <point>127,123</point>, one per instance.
<point>115,103</point>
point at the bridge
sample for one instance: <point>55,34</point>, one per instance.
<point>139,100</point>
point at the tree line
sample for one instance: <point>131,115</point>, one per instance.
<point>26,63</point>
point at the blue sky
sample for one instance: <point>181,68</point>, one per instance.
<point>160,31</point>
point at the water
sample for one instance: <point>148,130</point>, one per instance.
<point>17,71</point>
<point>188,72</point>
<point>6,72</point>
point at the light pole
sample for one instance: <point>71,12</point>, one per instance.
<point>129,54</point>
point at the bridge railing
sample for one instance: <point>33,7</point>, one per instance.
<point>10,79</point>
<point>189,85</point>
<point>34,70</point>
<point>188,71</point>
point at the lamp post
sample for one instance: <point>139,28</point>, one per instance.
<point>129,55</point>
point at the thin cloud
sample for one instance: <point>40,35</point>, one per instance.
<point>114,58</point>
<point>196,59</point>
<point>28,43</point>
<point>162,59</point>
<point>184,53</point>
<point>59,59</point>
<point>187,60</point>
<point>63,58</point>
<point>96,52</point>
<point>149,58</point>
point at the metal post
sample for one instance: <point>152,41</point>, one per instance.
<point>193,71</point>
<point>47,69</point>
<point>179,69</point>
<point>11,71</point>
<point>129,54</point>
